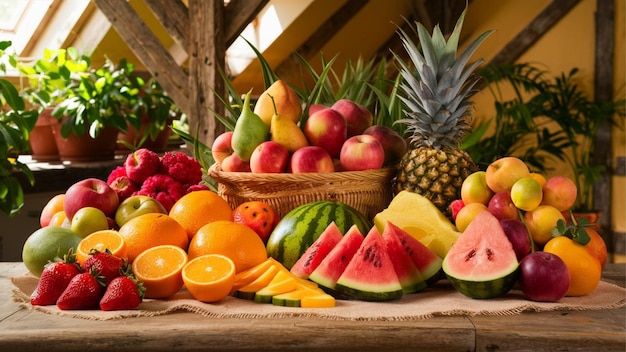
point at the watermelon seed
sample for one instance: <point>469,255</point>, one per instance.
<point>489,254</point>
<point>470,255</point>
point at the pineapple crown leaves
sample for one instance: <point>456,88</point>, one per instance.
<point>438,87</point>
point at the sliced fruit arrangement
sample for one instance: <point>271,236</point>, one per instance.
<point>372,268</point>
<point>271,282</point>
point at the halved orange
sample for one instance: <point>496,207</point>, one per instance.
<point>209,278</point>
<point>160,268</point>
<point>101,240</point>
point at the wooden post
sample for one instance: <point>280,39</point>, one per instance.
<point>207,53</point>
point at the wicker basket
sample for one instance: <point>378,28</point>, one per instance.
<point>367,191</point>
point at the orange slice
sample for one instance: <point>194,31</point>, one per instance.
<point>209,278</point>
<point>101,240</point>
<point>160,269</point>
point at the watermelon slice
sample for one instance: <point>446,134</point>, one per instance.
<point>410,278</point>
<point>482,263</point>
<point>370,275</point>
<point>314,255</point>
<point>427,262</point>
<point>333,265</point>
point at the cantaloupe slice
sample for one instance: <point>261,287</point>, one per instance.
<point>245,277</point>
<point>248,291</point>
<point>312,299</point>
<point>320,301</point>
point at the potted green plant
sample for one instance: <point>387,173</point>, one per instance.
<point>155,111</point>
<point>96,107</point>
<point>548,120</point>
<point>16,122</point>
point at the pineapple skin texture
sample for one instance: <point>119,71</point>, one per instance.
<point>435,174</point>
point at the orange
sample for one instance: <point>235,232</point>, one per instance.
<point>160,270</point>
<point>101,240</point>
<point>210,277</point>
<point>596,246</point>
<point>198,208</point>
<point>236,241</point>
<point>150,230</point>
<point>584,269</point>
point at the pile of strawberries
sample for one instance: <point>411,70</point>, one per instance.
<point>103,281</point>
<point>165,178</point>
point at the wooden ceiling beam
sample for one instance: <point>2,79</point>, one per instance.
<point>238,14</point>
<point>174,17</point>
<point>556,10</point>
<point>146,46</point>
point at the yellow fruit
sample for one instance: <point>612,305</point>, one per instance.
<point>419,217</point>
<point>467,214</point>
<point>209,278</point>
<point>160,269</point>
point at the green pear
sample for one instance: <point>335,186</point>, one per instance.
<point>249,132</point>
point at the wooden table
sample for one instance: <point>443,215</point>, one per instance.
<point>27,330</point>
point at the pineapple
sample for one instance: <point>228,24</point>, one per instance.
<point>436,91</point>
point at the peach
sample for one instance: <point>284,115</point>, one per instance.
<point>465,216</point>
<point>559,192</point>
<point>504,172</point>
<point>540,222</point>
<point>475,190</point>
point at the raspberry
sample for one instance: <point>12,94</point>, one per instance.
<point>181,167</point>
<point>163,188</point>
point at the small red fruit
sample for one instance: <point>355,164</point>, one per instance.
<point>124,292</point>
<point>105,264</point>
<point>83,292</point>
<point>259,216</point>
<point>55,277</point>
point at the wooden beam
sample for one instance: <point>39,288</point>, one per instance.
<point>207,53</point>
<point>148,49</point>
<point>535,30</point>
<point>238,14</point>
<point>602,149</point>
<point>174,16</point>
<point>323,34</point>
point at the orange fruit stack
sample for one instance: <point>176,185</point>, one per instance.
<point>150,230</point>
<point>198,208</point>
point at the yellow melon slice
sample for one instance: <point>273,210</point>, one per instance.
<point>419,217</point>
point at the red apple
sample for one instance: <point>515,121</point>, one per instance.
<point>316,107</point>
<point>91,192</point>
<point>137,205</point>
<point>394,145</point>
<point>362,152</point>
<point>311,159</point>
<point>269,157</point>
<point>455,207</point>
<point>358,117</point>
<point>327,128</point>
<point>518,235</point>
<point>233,163</point>
<point>544,277</point>
<point>222,147</point>
<point>501,206</point>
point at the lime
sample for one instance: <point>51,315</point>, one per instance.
<point>47,244</point>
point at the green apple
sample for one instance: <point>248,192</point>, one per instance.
<point>137,205</point>
<point>88,220</point>
<point>526,194</point>
<point>475,190</point>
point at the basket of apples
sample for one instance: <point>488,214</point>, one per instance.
<point>286,157</point>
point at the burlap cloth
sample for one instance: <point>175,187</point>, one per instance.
<point>441,299</point>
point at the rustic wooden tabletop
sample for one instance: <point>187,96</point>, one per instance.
<point>592,330</point>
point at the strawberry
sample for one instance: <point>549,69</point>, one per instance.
<point>124,292</point>
<point>83,292</point>
<point>54,279</point>
<point>104,264</point>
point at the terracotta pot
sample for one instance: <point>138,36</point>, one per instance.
<point>85,148</point>
<point>593,217</point>
<point>43,146</point>
<point>132,137</point>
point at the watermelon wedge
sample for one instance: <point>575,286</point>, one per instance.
<point>333,265</point>
<point>370,275</point>
<point>316,252</point>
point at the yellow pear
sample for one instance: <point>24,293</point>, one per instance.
<point>287,103</point>
<point>285,131</point>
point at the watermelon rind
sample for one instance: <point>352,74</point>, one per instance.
<point>485,289</point>
<point>370,275</point>
<point>299,228</point>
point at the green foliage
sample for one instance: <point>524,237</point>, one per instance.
<point>16,123</point>
<point>548,120</point>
